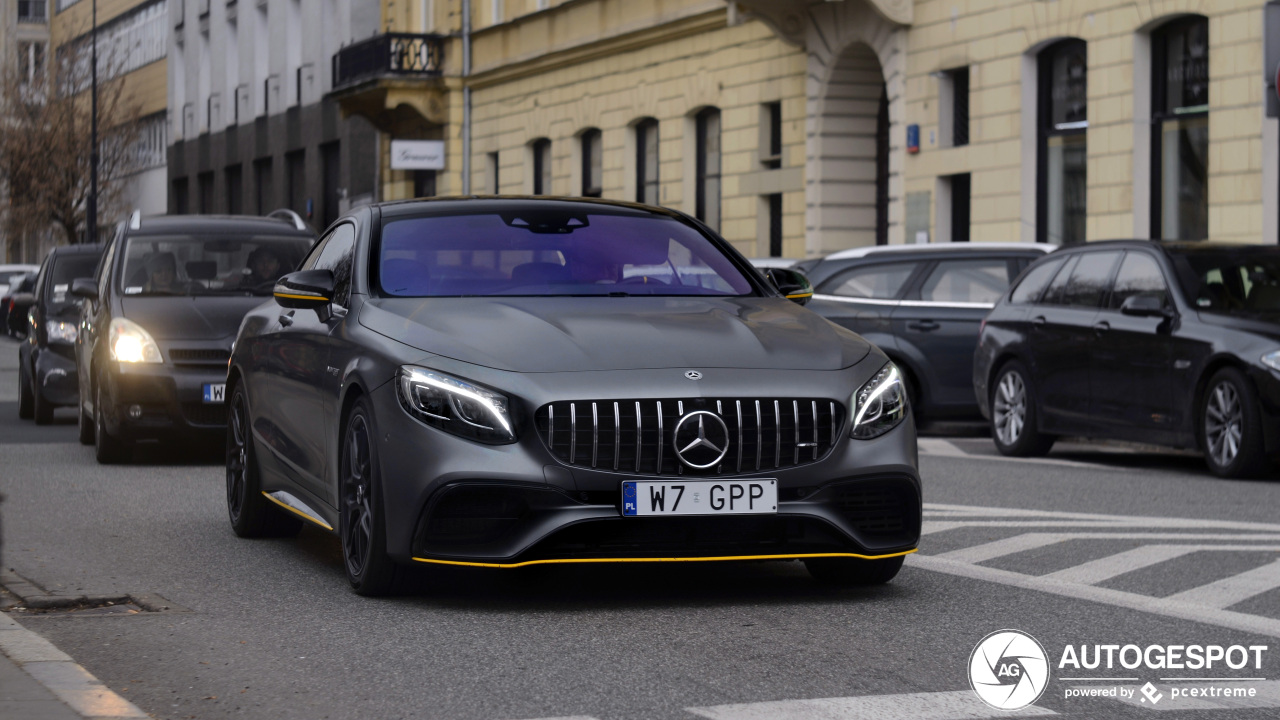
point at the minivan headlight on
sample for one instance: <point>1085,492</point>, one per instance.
<point>1272,360</point>
<point>455,405</point>
<point>129,343</point>
<point>60,331</point>
<point>879,405</point>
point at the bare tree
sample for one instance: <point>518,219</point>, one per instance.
<point>45,148</point>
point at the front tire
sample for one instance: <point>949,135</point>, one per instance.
<point>26,400</point>
<point>107,448</point>
<point>1231,427</point>
<point>86,426</point>
<point>853,572</point>
<point>370,570</point>
<point>1014,414</point>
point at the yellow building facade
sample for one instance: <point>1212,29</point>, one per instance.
<point>798,127</point>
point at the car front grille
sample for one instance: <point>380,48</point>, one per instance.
<point>636,436</point>
<point>199,356</point>
<point>886,510</point>
<point>206,414</point>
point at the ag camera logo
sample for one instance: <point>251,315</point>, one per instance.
<point>1009,670</point>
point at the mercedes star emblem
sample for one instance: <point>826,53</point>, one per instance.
<point>701,440</point>
<point>693,375</point>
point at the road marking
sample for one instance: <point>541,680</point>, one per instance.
<point>54,669</point>
<point>1231,590</point>
<point>956,705</point>
<point>1000,548</point>
<point>1131,601</point>
<point>967,513</point>
<point>1096,571</point>
<point>1267,695</point>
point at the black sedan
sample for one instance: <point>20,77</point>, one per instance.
<point>518,381</point>
<point>158,321</point>
<point>47,360</point>
<point>1170,343</point>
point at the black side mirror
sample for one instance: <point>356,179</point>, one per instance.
<point>305,289</point>
<point>85,288</point>
<point>22,301</point>
<point>1145,306</point>
<point>793,284</point>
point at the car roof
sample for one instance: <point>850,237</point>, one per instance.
<point>961,247</point>
<point>203,224</point>
<point>1173,246</point>
<point>79,248</point>
<point>469,203</point>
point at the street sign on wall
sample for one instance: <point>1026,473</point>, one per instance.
<point>417,154</point>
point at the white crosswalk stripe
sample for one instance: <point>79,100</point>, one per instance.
<point>957,705</point>
<point>1163,540</point>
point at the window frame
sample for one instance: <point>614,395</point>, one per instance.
<point>1161,114</point>
<point>1047,130</point>
<point>827,287</point>
<point>643,179</point>
<point>703,173</point>
<point>592,148</point>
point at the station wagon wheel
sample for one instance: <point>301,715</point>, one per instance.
<point>364,546</point>
<point>251,514</point>
<point>1230,428</point>
<point>1014,413</point>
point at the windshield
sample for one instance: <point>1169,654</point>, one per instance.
<point>208,265</point>
<point>545,252</point>
<point>1243,281</point>
<point>67,268</point>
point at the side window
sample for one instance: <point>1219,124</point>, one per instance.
<point>46,269</point>
<point>879,282</point>
<point>1139,275</point>
<point>966,281</point>
<point>337,255</point>
<point>1029,289</point>
<point>309,262</point>
<point>104,268</point>
<point>1058,287</point>
<point>1089,279</point>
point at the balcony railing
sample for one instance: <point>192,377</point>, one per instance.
<point>390,54</point>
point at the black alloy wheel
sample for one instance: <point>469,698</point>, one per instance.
<point>26,402</point>
<point>1230,427</point>
<point>853,572</point>
<point>251,514</point>
<point>370,570</point>
<point>107,448</point>
<point>1014,414</point>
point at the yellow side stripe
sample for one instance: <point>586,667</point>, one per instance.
<point>299,513</point>
<point>567,561</point>
<point>301,297</point>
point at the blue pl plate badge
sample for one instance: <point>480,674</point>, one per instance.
<point>628,498</point>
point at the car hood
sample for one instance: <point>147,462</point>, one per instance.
<point>570,334</point>
<point>205,317</point>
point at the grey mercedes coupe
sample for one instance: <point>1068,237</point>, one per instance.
<point>505,382</point>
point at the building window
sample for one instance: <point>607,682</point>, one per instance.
<point>961,192</point>
<point>424,183</point>
<point>775,224</point>
<point>1180,138</point>
<point>542,167</point>
<point>953,107</point>
<point>771,135</point>
<point>882,168</point>
<point>180,201</point>
<point>32,11</point>
<point>647,162</point>
<point>1064,122</point>
<point>495,182</point>
<point>592,163</point>
<point>707,205</point>
<point>235,190</point>
<point>264,186</point>
<point>30,61</point>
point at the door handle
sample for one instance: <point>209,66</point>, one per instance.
<point>1101,327</point>
<point>1038,321</point>
<point>286,319</point>
<point>923,325</point>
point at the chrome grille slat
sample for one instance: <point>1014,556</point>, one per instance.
<point>785,446</point>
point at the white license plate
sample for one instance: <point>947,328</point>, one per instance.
<point>215,392</point>
<point>699,497</point>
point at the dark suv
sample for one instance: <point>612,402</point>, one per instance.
<point>159,319</point>
<point>922,305</point>
<point>47,360</point>
<point>1171,343</point>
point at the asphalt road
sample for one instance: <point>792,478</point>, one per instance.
<point>1093,545</point>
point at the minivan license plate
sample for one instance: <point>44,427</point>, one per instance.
<point>699,497</point>
<point>214,392</point>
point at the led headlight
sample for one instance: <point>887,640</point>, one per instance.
<point>879,405</point>
<point>129,343</point>
<point>60,331</point>
<point>454,405</point>
<point>1272,360</point>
